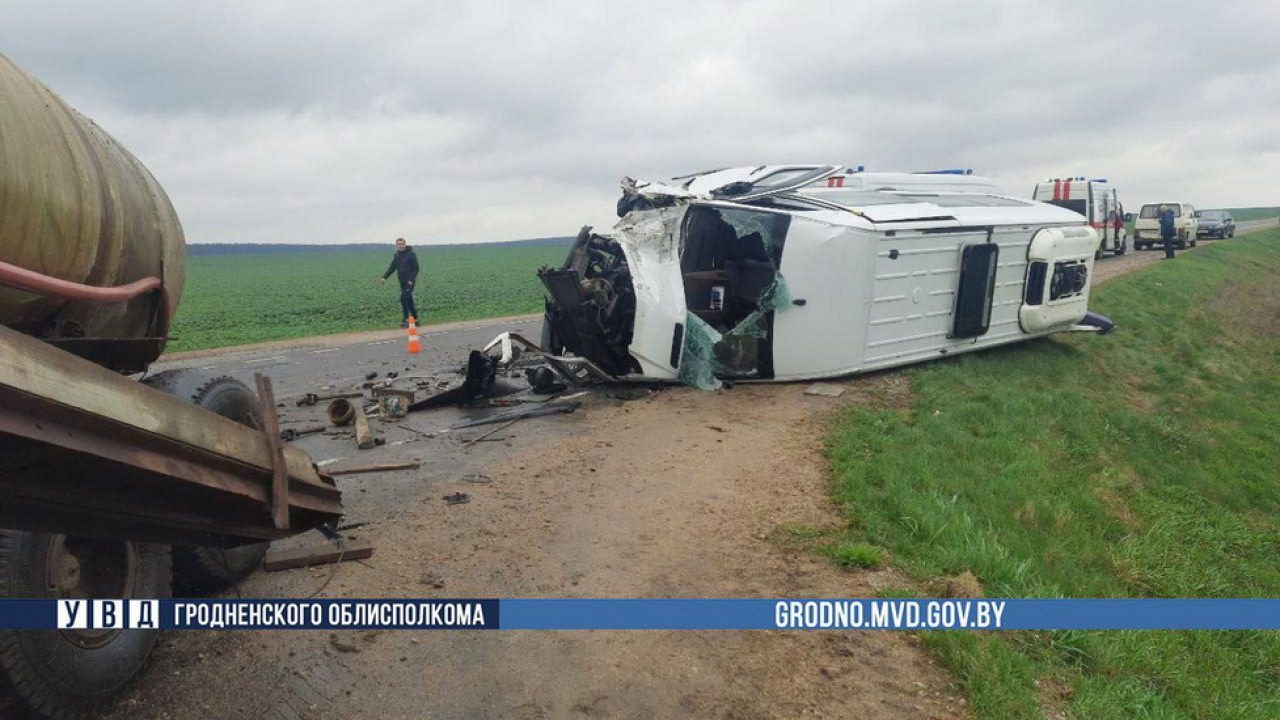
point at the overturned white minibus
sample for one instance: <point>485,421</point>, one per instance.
<point>793,272</point>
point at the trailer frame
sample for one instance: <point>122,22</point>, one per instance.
<point>87,451</point>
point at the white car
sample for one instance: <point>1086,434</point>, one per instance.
<point>1146,228</point>
<point>792,272</point>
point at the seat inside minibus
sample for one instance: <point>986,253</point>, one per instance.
<point>729,258</point>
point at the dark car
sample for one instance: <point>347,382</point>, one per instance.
<point>1216,223</point>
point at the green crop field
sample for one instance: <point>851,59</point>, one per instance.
<point>1139,464</point>
<point>255,296</point>
<point>1254,213</point>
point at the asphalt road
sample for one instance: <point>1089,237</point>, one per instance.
<point>342,363</point>
<point>301,366</point>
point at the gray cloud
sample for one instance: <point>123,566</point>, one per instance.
<point>318,122</point>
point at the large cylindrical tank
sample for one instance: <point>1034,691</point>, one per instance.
<point>75,205</point>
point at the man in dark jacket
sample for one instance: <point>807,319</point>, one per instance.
<point>405,265</point>
<point>1167,230</point>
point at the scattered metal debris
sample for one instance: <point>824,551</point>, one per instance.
<point>386,467</point>
<point>341,412</point>
<point>392,402</point>
<point>480,381</point>
<point>313,398</point>
<point>543,379</point>
<point>458,498</point>
<point>557,408</point>
<point>477,478</point>
<point>498,429</point>
<point>295,433</point>
<point>825,390</point>
<point>289,558</point>
<point>571,369</point>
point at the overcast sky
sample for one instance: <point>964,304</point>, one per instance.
<point>362,121</point>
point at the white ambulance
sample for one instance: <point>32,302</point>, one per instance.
<point>1096,200</point>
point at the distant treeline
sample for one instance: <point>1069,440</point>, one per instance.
<point>278,248</point>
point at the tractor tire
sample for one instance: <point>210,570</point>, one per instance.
<point>209,569</point>
<point>75,674</point>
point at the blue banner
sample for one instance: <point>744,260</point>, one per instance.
<point>645,614</point>
<point>873,614</point>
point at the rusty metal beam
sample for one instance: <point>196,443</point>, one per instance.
<point>279,472</point>
<point>118,463</point>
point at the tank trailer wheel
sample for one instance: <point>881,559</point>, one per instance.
<point>208,569</point>
<point>73,674</point>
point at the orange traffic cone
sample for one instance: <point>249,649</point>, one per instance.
<point>415,345</point>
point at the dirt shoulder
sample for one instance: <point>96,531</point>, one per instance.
<point>680,494</point>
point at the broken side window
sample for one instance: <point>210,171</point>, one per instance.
<point>730,258</point>
<point>696,362</point>
<point>742,352</point>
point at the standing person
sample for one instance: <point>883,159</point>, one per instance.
<point>1167,231</point>
<point>405,265</point>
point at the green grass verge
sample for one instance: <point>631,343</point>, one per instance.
<point>245,298</point>
<point>1138,464</point>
